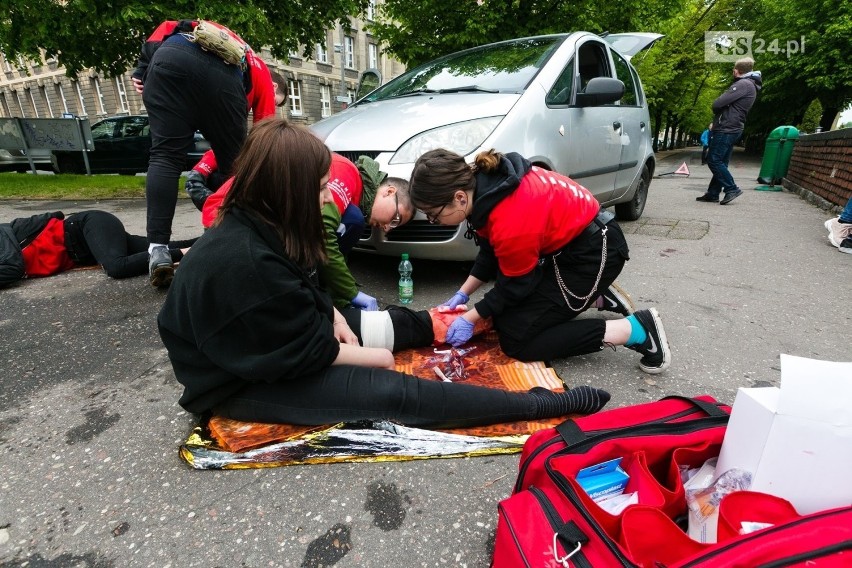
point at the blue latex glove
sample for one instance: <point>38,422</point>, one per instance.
<point>365,302</point>
<point>459,332</point>
<point>457,299</point>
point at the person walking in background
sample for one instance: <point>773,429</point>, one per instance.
<point>252,337</point>
<point>50,243</point>
<point>705,143</point>
<point>552,250</point>
<point>840,229</point>
<point>729,116</point>
<point>187,88</point>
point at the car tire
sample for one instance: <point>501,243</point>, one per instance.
<point>632,210</point>
<point>68,165</point>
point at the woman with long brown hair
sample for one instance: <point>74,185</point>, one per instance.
<point>551,248</point>
<point>252,337</point>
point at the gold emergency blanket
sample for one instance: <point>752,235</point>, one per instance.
<point>220,443</point>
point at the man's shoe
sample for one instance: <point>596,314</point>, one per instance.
<point>838,231</point>
<point>730,196</point>
<point>656,355</point>
<point>707,198</point>
<point>617,300</point>
<point>160,267</point>
<point>846,245</point>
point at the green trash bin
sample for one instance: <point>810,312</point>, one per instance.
<point>776,157</point>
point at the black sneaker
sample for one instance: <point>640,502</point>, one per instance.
<point>656,355</point>
<point>730,196</point>
<point>846,245</point>
<point>617,300</point>
<point>707,198</point>
<point>160,267</point>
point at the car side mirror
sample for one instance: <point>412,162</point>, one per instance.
<point>600,91</point>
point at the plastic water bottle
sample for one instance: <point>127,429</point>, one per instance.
<point>406,284</point>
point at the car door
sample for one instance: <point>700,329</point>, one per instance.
<point>634,127</point>
<point>586,144</point>
<point>132,146</point>
<point>104,134</point>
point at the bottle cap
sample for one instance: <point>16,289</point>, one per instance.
<point>405,256</point>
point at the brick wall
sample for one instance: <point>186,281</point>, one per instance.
<point>821,165</point>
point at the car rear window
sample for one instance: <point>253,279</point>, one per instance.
<point>502,67</point>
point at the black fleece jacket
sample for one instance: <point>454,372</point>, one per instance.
<point>239,311</point>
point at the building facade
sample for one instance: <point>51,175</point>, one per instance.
<point>318,84</point>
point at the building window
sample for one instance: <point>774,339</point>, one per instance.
<point>351,94</point>
<point>33,103</point>
<point>295,97</point>
<point>62,98</point>
<point>349,49</point>
<point>81,99</point>
<point>371,10</point>
<point>373,56</point>
<point>322,53</point>
<point>325,100</point>
<point>100,95</point>
<point>124,105</point>
<point>20,103</point>
<point>6,66</point>
<point>46,101</point>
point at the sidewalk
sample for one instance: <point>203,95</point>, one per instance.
<point>89,423</point>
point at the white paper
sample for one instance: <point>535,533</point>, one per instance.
<point>816,390</point>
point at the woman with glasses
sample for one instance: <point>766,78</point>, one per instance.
<point>275,349</point>
<point>362,194</point>
<point>551,248</point>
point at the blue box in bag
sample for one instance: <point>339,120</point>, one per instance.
<point>603,479</point>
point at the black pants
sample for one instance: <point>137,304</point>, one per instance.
<point>188,89</point>
<point>543,327</point>
<point>347,393</point>
<point>98,237</point>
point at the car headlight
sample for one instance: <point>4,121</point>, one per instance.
<point>461,138</point>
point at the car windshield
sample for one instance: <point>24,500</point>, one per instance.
<point>501,67</point>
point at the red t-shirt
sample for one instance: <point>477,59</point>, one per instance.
<point>46,254</point>
<point>541,216</point>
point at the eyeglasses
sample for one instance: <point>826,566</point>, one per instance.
<point>433,219</point>
<point>397,218</point>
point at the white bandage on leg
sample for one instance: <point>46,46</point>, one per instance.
<point>377,329</point>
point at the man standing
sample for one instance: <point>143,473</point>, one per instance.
<point>729,116</point>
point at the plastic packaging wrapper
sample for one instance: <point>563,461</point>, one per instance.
<point>443,317</point>
<point>220,443</point>
<point>704,493</point>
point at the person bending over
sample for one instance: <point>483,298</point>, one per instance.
<point>551,248</point>
<point>275,349</point>
<point>50,243</point>
<point>362,194</point>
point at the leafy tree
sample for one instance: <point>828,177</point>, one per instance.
<point>812,116</point>
<point>107,34</point>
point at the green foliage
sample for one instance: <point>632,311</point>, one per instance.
<point>812,116</point>
<point>106,34</point>
<point>65,186</point>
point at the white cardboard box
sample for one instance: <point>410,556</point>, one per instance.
<point>797,440</point>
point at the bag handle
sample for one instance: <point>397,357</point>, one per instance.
<point>572,434</point>
<point>709,408</point>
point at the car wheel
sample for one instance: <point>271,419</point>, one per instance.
<point>633,209</point>
<point>68,165</point>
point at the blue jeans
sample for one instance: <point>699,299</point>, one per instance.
<point>846,215</point>
<point>721,147</point>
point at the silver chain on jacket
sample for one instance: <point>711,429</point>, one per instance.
<point>564,289</point>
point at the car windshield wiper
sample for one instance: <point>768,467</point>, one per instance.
<point>414,93</point>
<point>468,89</point>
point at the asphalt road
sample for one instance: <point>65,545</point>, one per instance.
<point>89,424</point>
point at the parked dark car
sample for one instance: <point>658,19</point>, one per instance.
<point>122,145</point>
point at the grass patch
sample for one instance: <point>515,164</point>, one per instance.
<point>67,186</point>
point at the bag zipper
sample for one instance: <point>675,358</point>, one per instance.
<point>770,530</point>
<point>523,468</point>
<point>556,523</point>
<point>810,555</point>
<point>500,508</point>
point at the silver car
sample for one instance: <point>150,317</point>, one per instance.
<point>572,103</point>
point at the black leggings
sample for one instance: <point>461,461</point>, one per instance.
<point>105,242</point>
<point>346,393</point>
<point>542,327</point>
<point>188,89</point>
